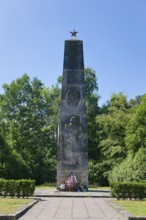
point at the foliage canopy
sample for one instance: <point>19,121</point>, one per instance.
<point>29,113</point>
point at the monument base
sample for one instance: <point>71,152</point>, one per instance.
<point>63,172</point>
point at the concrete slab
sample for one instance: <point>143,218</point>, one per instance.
<point>73,208</point>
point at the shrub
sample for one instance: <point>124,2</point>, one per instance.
<point>9,188</point>
<point>17,188</point>
<point>28,187</point>
<point>126,190</point>
<point>2,183</point>
<point>131,169</point>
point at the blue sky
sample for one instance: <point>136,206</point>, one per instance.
<point>32,35</point>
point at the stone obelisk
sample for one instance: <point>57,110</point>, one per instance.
<point>72,132</point>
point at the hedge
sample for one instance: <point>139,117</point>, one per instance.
<point>126,190</point>
<point>20,188</point>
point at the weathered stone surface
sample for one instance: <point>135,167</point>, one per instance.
<point>73,55</point>
<point>72,136</point>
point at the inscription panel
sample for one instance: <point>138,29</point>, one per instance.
<point>75,77</point>
<point>73,56</point>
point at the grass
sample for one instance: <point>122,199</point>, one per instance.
<point>10,205</point>
<point>91,187</point>
<point>44,187</point>
<point>103,188</point>
<point>136,208</point>
<point>53,186</point>
<point>47,185</point>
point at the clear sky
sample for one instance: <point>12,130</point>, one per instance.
<point>32,35</point>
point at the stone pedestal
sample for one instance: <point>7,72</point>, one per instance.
<point>72,132</point>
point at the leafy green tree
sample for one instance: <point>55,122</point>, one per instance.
<point>135,102</point>
<point>95,173</point>
<point>27,122</point>
<point>111,132</point>
<point>92,109</point>
<point>131,169</point>
<point>11,163</point>
<point>136,129</point>
<point>4,151</point>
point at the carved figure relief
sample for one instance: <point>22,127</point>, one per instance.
<point>74,138</point>
<point>73,97</point>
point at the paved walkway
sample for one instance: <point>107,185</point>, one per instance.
<point>57,208</point>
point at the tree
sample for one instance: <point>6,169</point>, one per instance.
<point>131,169</point>
<point>92,109</point>
<point>27,122</point>
<point>135,102</point>
<point>111,132</point>
<point>4,151</point>
<point>136,129</point>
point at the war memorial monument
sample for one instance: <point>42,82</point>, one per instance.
<point>72,132</point>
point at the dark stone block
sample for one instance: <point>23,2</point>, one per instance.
<point>73,55</point>
<point>73,138</point>
<point>75,77</point>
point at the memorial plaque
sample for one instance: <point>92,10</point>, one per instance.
<point>75,77</point>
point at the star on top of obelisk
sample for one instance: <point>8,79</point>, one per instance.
<point>73,33</point>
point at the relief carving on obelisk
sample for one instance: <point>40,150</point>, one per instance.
<point>74,141</point>
<point>73,97</point>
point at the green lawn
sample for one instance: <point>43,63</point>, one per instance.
<point>136,208</point>
<point>10,205</point>
<point>46,187</point>
<point>102,188</point>
<point>91,187</point>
